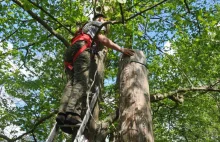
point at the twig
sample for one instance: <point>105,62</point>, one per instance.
<point>35,140</point>
<point>7,37</point>
<point>158,107</point>
<point>212,85</point>
<point>94,7</point>
<point>27,46</point>
<point>24,62</point>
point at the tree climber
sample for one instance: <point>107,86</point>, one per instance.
<point>77,59</point>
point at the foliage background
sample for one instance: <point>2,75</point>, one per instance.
<point>179,38</point>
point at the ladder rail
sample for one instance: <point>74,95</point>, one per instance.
<point>86,117</point>
<point>53,133</point>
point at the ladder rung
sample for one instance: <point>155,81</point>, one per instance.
<point>72,126</point>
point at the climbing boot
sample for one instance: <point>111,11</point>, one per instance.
<point>73,119</point>
<point>69,129</point>
<point>61,118</point>
<point>71,123</point>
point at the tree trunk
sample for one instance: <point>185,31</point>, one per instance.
<point>96,132</point>
<point>135,113</point>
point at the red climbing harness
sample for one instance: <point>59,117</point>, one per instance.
<point>80,37</point>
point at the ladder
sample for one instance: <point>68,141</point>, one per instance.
<point>79,136</point>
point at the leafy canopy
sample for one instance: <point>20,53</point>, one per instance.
<point>32,77</point>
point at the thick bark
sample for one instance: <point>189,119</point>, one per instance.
<point>97,130</point>
<point>135,113</point>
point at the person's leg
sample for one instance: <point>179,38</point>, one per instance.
<point>68,56</point>
<point>80,87</point>
<point>65,98</point>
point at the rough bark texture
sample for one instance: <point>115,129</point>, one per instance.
<point>97,132</point>
<point>135,113</point>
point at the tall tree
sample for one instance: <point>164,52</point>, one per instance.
<point>179,38</point>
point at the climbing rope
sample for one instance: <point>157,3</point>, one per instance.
<point>138,63</point>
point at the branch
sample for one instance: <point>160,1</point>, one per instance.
<point>178,98</point>
<point>139,13</point>
<point>159,97</point>
<point>24,62</point>
<point>41,8</point>
<point>187,6</point>
<point>6,138</point>
<point>40,121</point>
<point>35,140</point>
<point>44,24</point>
<point>7,37</point>
<point>94,6</point>
<point>125,20</point>
<point>122,14</point>
<point>27,46</point>
<point>212,85</point>
<point>103,127</point>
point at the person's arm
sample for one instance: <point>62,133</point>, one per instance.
<point>107,42</point>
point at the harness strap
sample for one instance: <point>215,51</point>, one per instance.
<point>83,37</point>
<point>68,65</point>
<point>83,48</point>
